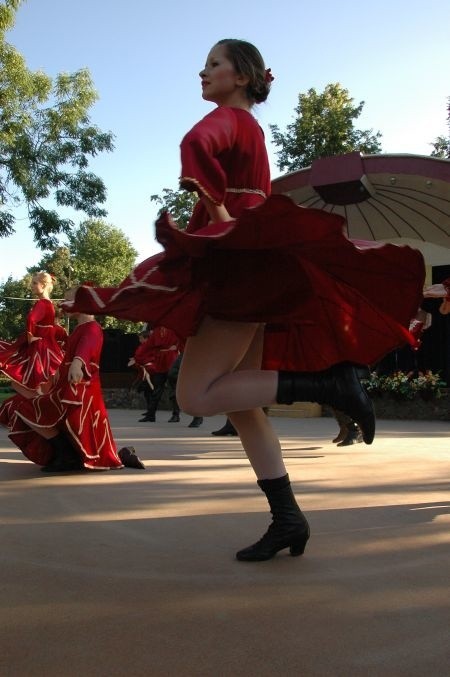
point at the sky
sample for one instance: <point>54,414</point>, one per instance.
<point>144,58</point>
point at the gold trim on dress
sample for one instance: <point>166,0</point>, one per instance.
<point>190,179</point>
<point>255,191</point>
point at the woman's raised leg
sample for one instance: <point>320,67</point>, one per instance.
<point>208,382</point>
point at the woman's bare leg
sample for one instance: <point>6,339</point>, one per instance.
<point>260,443</point>
<point>255,429</point>
<point>220,372</point>
<point>243,352</point>
<point>208,382</point>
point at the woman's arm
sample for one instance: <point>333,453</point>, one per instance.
<point>217,213</point>
<point>201,170</point>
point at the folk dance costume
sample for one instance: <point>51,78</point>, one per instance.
<point>77,410</point>
<point>154,359</point>
<point>36,354</point>
<point>324,298</point>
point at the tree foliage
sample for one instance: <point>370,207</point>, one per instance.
<point>101,253</point>
<point>97,252</point>
<point>441,147</point>
<point>13,312</point>
<point>323,127</point>
<point>179,203</point>
<point>46,140</point>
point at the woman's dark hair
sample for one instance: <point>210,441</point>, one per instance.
<point>248,61</point>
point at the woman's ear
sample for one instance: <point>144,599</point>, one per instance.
<point>242,80</point>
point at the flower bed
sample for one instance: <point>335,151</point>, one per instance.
<point>406,385</point>
<point>411,396</point>
<point>407,396</point>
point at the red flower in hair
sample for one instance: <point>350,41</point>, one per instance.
<point>269,77</point>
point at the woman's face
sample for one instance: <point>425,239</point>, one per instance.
<point>220,82</point>
<point>37,287</point>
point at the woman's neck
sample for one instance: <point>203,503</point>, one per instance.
<point>236,100</point>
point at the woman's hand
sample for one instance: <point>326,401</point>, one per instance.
<point>217,213</point>
<point>75,374</point>
<point>436,291</point>
<point>31,339</point>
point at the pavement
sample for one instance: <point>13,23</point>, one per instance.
<point>132,572</point>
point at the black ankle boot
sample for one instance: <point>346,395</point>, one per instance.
<point>227,429</point>
<point>65,458</point>
<point>196,422</point>
<point>353,436</point>
<point>175,418</point>
<point>344,422</point>
<point>289,528</point>
<point>338,387</point>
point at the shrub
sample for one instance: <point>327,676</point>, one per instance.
<point>405,385</point>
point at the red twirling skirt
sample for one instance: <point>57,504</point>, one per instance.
<point>324,299</point>
<point>30,364</point>
<point>78,410</point>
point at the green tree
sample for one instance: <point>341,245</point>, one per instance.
<point>13,312</point>
<point>323,127</point>
<point>179,204</point>
<point>441,147</point>
<point>102,254</point>
<point>46,140</point>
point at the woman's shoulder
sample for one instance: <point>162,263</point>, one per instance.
<point>230,112</point>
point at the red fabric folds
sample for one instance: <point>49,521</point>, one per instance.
<point>78,410</point>
<point>324,298</point>
<point>33,363</point>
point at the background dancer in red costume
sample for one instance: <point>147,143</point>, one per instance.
<point>276,303</point>
<point>67,428</point>
<point>154,358</point>
<point>36,354</point>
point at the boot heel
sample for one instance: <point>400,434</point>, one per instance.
<point>298,547</point>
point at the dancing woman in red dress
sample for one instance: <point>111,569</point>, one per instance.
<point>257,281</point>
<point>35,355</point>
<point>154,358</point>
<point>67,428</point>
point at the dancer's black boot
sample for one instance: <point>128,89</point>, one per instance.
<point>227,429</point>
<point>149,416</point>
<point>344,422</point>
<point>289,528</point>
<point>353,436</point>
<point>65,458</point>
<point>339,387</point>
<point>196,422</point>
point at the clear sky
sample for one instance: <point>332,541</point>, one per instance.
<point>144,57</point>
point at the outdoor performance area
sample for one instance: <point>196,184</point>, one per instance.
<point>132,572</point>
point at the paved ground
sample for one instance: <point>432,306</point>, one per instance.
<point>133,573</point>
